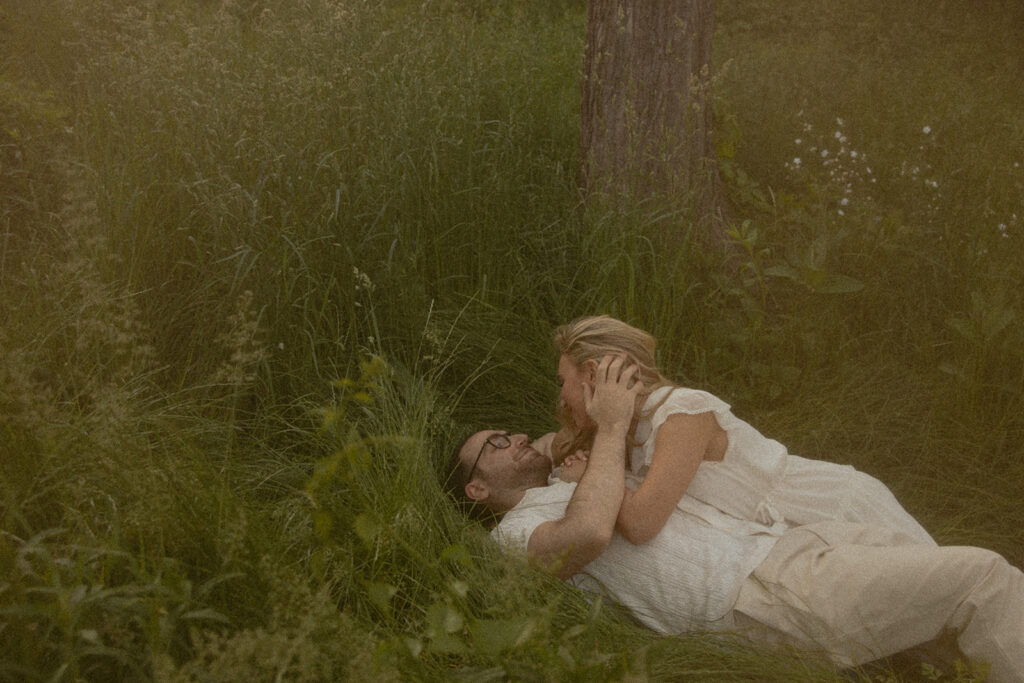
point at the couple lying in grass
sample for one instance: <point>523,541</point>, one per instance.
<point>658,497</point>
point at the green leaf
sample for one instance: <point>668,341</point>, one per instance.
<point>962,327</point>
<point>783,270</point>
<point>205,614</point>
<point>442,618</point>
<point>950,369</point>
<point>442,623</point>
<point>446,644</point>
<point>414,646</point>
<point>839,284</point>
<point>459,587</point>
<point>998,321</point>
<point>367,528</point>
<point>381,594</point>
<point>491,636</point>
<point>457,553</point>
<point>576,630</point>
<point>357,455</point>
<point>817,280</point>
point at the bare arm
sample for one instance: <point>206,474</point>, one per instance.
<point>569,544</point>
<point>681,445</point>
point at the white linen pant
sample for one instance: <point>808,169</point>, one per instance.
<point>857,593</point>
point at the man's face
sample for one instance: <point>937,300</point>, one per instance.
<point>516,466</point>
<point>571,379</point>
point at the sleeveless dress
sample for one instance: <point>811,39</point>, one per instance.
<point>759,480</point>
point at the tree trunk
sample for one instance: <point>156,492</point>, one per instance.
<point>645,125</point>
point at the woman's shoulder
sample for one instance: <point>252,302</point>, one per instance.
<point>670,400</point>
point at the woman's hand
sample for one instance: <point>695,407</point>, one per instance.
<point>574,466</point>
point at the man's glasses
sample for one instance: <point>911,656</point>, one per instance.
<point>499,441</point>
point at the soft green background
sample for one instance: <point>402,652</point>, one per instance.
<point>263,262</point>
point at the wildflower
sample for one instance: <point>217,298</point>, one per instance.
<point>824,153</point>
<point>926,130</point>
<point>362,280</point>
<point>840,122</point>
<point>798,141</point>
<point>844,201</point>
<point>796,161</point>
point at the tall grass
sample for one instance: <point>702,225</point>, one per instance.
<point>263,264</point>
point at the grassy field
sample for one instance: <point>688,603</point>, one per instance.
<point>263,262</point>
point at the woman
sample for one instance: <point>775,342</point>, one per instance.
<point>688,441</point>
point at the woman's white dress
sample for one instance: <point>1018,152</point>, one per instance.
<point>759,480</point>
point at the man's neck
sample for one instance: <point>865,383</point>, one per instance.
<point>514,497</point>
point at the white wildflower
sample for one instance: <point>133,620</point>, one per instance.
<point>845,201</point>
<point>796,161</point>
<point>824,153</point>
<point>362,280</point>
<point>926,130</point>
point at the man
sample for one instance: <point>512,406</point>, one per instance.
<point>852,592</point>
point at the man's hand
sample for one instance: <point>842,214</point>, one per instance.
<point>611,400</point>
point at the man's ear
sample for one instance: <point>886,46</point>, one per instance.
<point>590,370</point>
<point>477,491</point>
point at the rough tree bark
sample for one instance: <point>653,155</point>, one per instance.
<point>645,126</point>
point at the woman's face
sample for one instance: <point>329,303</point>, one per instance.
<point>572,379</point>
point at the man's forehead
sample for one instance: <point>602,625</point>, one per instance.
<point>476,442</point>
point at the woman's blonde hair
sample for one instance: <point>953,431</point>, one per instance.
<point>591,339</point>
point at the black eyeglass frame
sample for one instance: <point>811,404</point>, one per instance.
<point>500,441</point>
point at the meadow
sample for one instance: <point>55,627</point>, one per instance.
<point>264,263</point>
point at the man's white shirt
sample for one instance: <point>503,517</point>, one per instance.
<point>686,578</point>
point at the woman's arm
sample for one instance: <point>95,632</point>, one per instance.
<point>567,545</point>
<point>682,443</point>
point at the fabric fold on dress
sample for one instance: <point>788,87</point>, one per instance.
<point>759,480</point>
